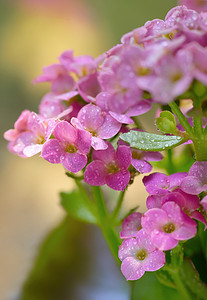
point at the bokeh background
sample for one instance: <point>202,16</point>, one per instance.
<point>33,33</point>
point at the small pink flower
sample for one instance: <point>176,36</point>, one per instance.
<point>196,181</point>
<point>29,134</point>
<point>109,167</point>
<point>140,255</point>
<point>100,125</point>
<point>168,225</point>
<point>131,225</point>
<point>69,147</point>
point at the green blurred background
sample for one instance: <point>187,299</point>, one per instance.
<point>33,33</point>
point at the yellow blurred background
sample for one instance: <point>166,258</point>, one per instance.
<point>33,33</point>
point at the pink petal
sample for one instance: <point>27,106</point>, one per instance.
<point>185,232</point>
<point>73,162</point>
<point>108,155</point>
<point>118,181</point>
<point>163,241</point>
<point>139,109</point>
<point>52,151</point>
<point>154,201</point>
<point>141,166</point>
<point>124,119</point>
<point>109,128</point>
<point>29,151</point>
<point>95,173</point>
<point>132,268</point>
<point>154,218</point>
<point>123,157</point>
<point>65,133</point>
<point>83,141</point>
<point>98,144</point>
<point>90,116</point>
<point>154,261</point>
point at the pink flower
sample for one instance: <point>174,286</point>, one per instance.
<point>161,184</point>
<point>131,225</point>
<point>100,125</point>
<point>81,65</point>
<point>69,147</point>
<point>140,255</point>
<point>168,225</point>
<point>196,181</point>
<point>61,81</point>
<point>109,167</point>
<point>198,5</point>
<point>189,204</point>
<point>29,134</point>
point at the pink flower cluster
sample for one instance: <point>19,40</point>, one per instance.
<point>168,220</point>
<point>92,100</point>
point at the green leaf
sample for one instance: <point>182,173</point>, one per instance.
<point>191,277</point>
<point>150,141</point>
<point>148,287</point>
<point>78,206</point>
<point>58,255</point>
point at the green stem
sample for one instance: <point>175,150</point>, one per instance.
<point>180,286</point>
<point>182,119</point>
<point>71,175</point>
<point>170,165</point>
<point>108,231</point>
<point>118,206</point>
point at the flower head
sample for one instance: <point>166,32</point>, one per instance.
<point>168,225</point>
<point>69,147</point>
<point>140,255</point>
<point>109,167</point>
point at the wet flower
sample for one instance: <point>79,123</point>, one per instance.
<point>109,167</point>
<point>168,225</point>
<point>69,147</point>
<point>140,255</point>
<point>196,181</point>
<point>100,125</point>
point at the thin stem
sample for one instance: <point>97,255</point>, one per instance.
<point>170,165</point>
<point>108,231</point>
<point>118,206</point>
<point>137,123</point>
<point>180,286</point>
<point>71,175</point>
<point>182,119</point>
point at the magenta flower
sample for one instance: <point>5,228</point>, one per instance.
<point>140,255</point>
<point>204,203</point>
<point>131,225</point>
<point>160,184</point>
<point>69,147</point>
<point>168,225</point>
<point>100,125</point>
<point>196,181</point>
<point>140,160</point>
<point>109,167</point>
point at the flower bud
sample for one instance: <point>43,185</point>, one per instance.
<point>166,122</point>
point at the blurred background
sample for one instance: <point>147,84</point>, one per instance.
<point>33,33</point>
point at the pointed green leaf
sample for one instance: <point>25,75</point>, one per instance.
<point>150,141</point>
<point>77,206</point>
